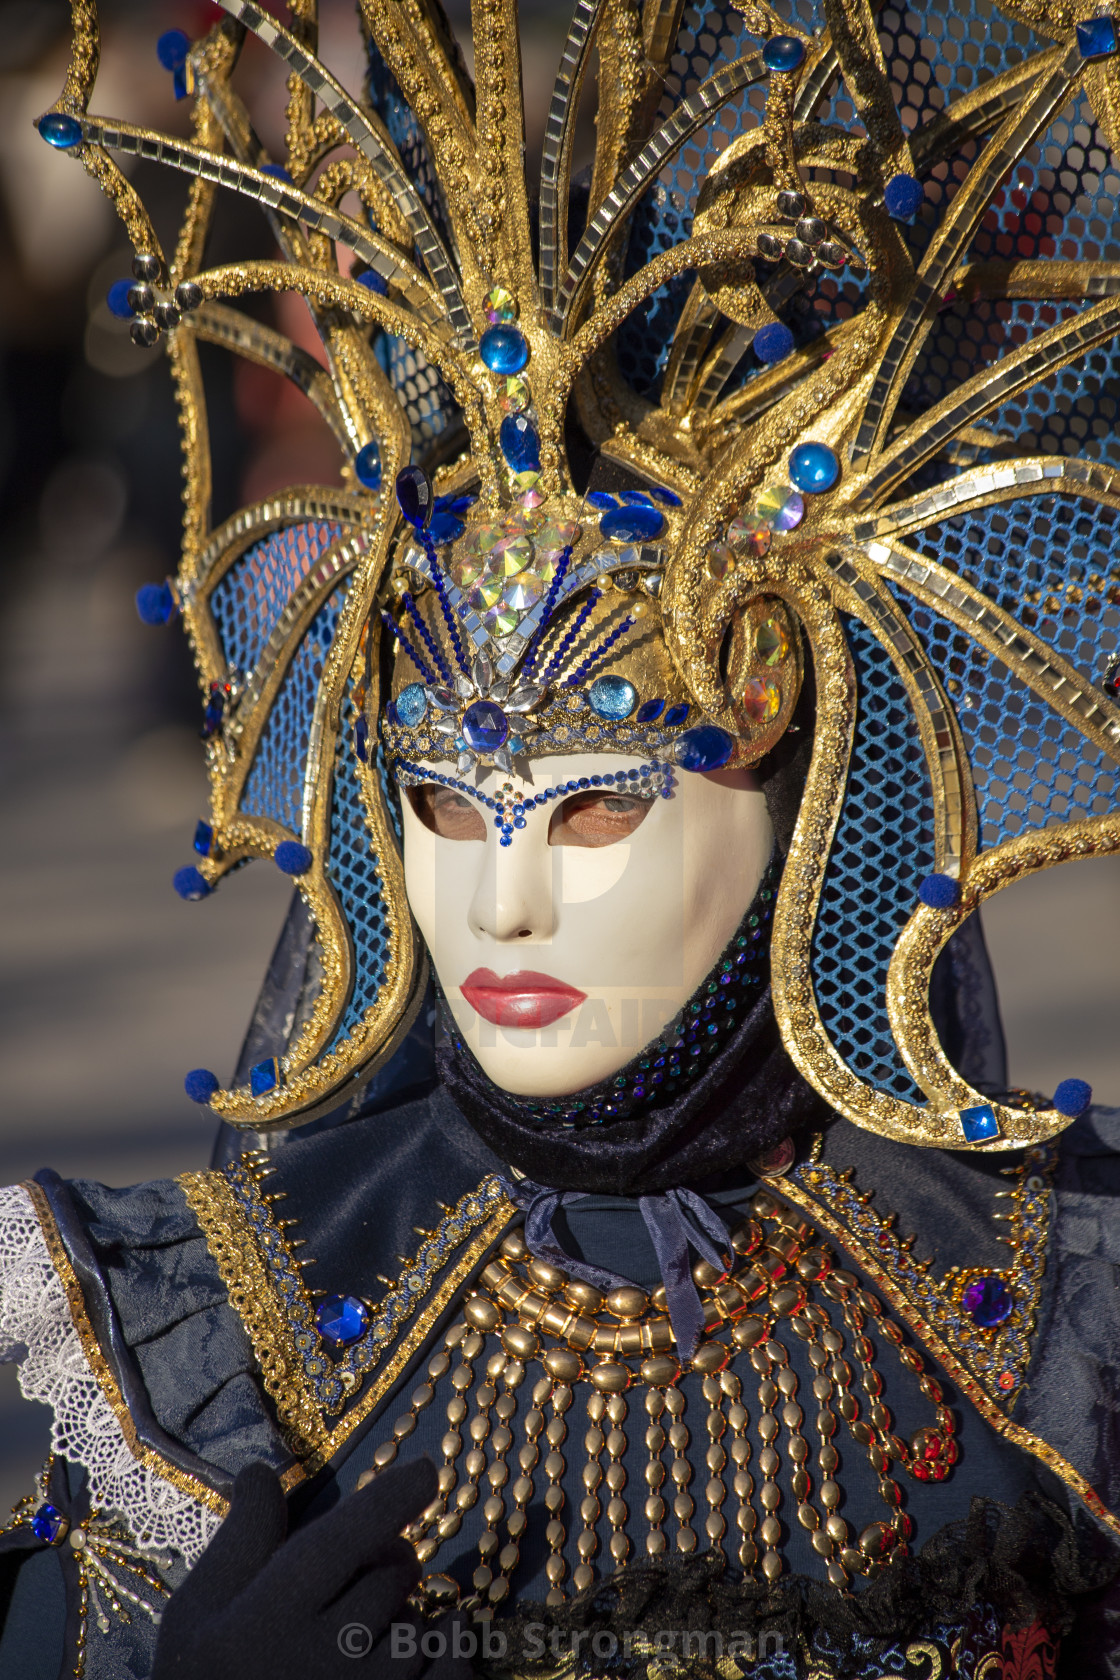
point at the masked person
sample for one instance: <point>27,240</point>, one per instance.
<point>718,608</point>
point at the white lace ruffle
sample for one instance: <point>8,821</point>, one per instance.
<point>34,1315</point>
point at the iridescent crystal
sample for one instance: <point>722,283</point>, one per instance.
<point>749,535</point>
<point>720,561</point>
<point>501,618</point>
<point>516,397</point>
<point>523,593</point>
<point>780,507</point>
<point>531,498</point>
<point>486,593</point>
<point>500,306</point>
<point>559,533</point>
<point>510,555</point>
<point>771,642</point>
<point>522,522</point>
<point>466,569</point>
<point>545,561</point>
<point>761,699</point>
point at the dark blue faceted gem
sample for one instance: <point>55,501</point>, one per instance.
<point>979,1124</point>
<point>155,604</point>
<point>783,53</point>
<point>117,299</point>
<point>341,1319</point>
<point>373,282</point>
<point>414,495</point>
<point>212,715</point>
<point>504,349</point>
<point>813,468</point>
<point>706,747</point>
<point>361,740</point>
<point>291,858</point>
<point>203,839</point>
<point>277,171</point>
<point>676,715</point>
<point>520,444</point>
<point>635,498</point>
<point>391,712</point>
<point>1097,38</point>
<point>632,524</point>
<point>172,49</point>
<point>264,1077</point>
<point>773,342</point>
<point>445,527</point>
<point>200,1085</point>
<point>49,1525</point>
<point>649,711</point>
<point>367,466</point>
<point>59,130</point>
<point>485,727</point>
<point>987,1301</point>
<point>455,504</point>
<point>600,499</point>
<point>411,705</point>
<point>668,498</point>
<point>190,884</point>
<point>903,196</point>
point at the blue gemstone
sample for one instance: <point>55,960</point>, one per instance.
<point>635,498</point>
<point>813,468</point>
<point>59,130</point>
<point>117,299</point>
<point>48,1524</point>
<point>773,342</point>
<point>367,466</point>
<point>361,740</point>
<point>632,524</point>
<point>213,712</point>
<point>705,748</point>
<point>414,496</point>
<point>649,711</point>
<point>190,884</point>
<point>600,499</point>
<point>200,1085</point>
<point>341,1319</point>
<point>676,715</point>
<point>485,726</point>
<point>264,1077</point>
<point>504,349</point>
<point>1096,37</point>
<point>203,839</point>
<point>987,1301</point>
<point>155,604</point>
<point>291,858</point>
<point>903,196</point>
<point>520,444</point>
<point>373,282</point>
<point>411,704</point>
<point>277,171</point>
<point>612,697</point>
<point>391,712</point>
<point>783,53</point>
<point>444,527</point>
<point>979,1124</point>
<point>668,498</point>
<point>172,49</point>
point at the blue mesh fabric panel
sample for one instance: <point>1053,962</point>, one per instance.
<point>882,850</point>
<point>275,784</point>
<point>423,394</point>
<point>1051,561</point>
<point>254,592</point>
<point>356,879</point>
<point>1031,767</point>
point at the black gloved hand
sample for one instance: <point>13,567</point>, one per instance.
<point>323,1604</point>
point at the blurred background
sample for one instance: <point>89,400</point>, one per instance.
<point>112,986</point>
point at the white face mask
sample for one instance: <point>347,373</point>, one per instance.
<point>562,954</point>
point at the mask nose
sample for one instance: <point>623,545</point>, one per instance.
<point>514,897</point>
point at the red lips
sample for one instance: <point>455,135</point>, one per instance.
<point>524,999</point>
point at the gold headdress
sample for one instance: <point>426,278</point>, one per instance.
<point>839,317</point>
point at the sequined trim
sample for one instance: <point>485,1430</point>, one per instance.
<point>808,1187</point>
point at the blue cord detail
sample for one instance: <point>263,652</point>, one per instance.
<point>554,587</point>
<point>420,663</point>
<point>440,583</point>
<point>427,638</point>
<point>598,654</point>
<point>558,657</point>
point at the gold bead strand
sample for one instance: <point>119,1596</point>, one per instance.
<point>680,1470</point>
<point>592,1475</point>
<point>797,1447</point>
<point>462,1380</point>
<point>715,1524</point>
<point>833,1538</point>
<point>742,1483</point>
<point>769,1494</point>
<point>617,1511</point>
<point>427,1544</point>
<point>851,1558</point>
<point>556,1432</point>
<point>878,1540</point>
<point>656,1508</point>
<point>493,1506</point>
<point>497,1475</point>
<point>527,1458</point>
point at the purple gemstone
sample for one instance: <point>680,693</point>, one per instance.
<point>987,1301</point>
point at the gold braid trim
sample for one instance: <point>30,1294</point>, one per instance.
<point>241,1266</point>
<point>99,1365</point>
<point>933,1344</point>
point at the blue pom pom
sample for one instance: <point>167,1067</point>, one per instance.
<point>172,49</point>
<point>773,342</point>
<point>1073,1097</point>
<point>200,1085</point>
<point>155,603</point>
<point>277,171</point>
<point>902,196</point>
<point>374,282</point>
<point>940,892</point>
<point>292,858</point>
<point>190,884</point>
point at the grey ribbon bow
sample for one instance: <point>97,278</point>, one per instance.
<point>676,1220</point>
